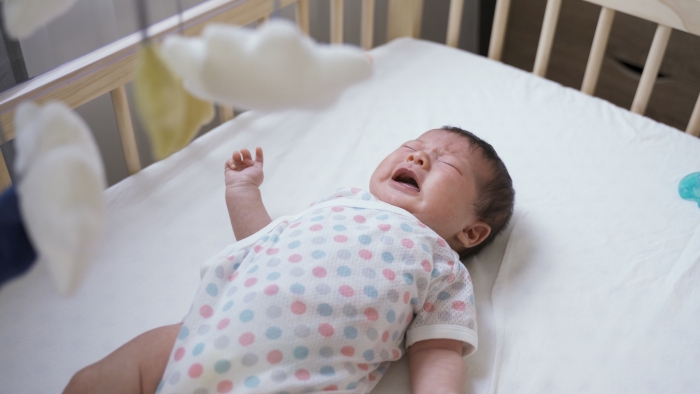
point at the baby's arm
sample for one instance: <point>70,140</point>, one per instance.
<point>243,179</point>
<point>437,367</point>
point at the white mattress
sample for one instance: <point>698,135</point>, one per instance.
<point>597,290</point>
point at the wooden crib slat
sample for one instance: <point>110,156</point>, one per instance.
<point>498,30</point>
<point>600,42</point>
<point>651,69</point>
<point>454,22</point>
<point>367,24</point>
<point>549,26</point>
<point>302,15</point>
<point>126,130</point>
<point>225,113</point>
<point>262,20</point>
<point>5,180</point>
<point>694,124</point>
<point>417,17</point>
<point>337,22</point>
<point>400,19</point>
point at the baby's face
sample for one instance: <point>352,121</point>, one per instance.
<point>435,178</point>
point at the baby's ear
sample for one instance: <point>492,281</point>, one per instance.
<point>474,234</point>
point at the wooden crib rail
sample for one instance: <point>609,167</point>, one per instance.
<point>668,14</point>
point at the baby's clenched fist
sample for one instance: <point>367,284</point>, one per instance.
<point>242,170</point>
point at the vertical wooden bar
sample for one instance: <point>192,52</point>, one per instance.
<point>498,30</point>
<point>302,14</point>
<point>126,130</point>
<point>454,22</point>
<point>5,180</point>
<point>651,69</point>
<point>400,19</point>
<point>549,26</point>
<point>367,24</point>
<point>262,21</point>
<point>595,59</point>
<point>694,124</point>
<point>417,17</point>
<point>336,21</point>
<point>225,113</point>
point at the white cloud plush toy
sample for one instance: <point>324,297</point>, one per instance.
<point>60,189</point>
<point>272,68</point>
<point>23,17</point>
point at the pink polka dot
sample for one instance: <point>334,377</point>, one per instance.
<point>326,330</point>
<point>371,314</point>
<point>451,278</point>
<point>363,367</point>
<point>179,353</point>
<point>340,238</point>
<point>338,209</point>
<point>359,219</point>
<point>421,224</point>
<point>246,338</point>
<point>223,324</point>
<point>469,278</point>
<point>316,227</point>
<point>407,243</point>
<point>206,311</point>
<point>233,276</point>
<point>302,374</point>
<point>408,318</point>
<point>298,308</point>
<point>295,225</point>
<point>274,357</point>
<point>272,251</point>
<point>426,265</point>
<point>347,351</point>
<point>195,370</point>
<point>389,274</point>
<point>224,386</point>
<point>406,297</point>
<point>385,336</point>
<point>385,227</point>
<point>250,281</point>
<point>365,254</point>
<point>451,263</point>
<point>257,248</point>
<point>295,258</point>
<point>441,242</point>
<point>459,306</point>
<point>231,257</point>
<point>346,291</point>
<point>354,190</point>
<point>331,388</point>
<point>319,272</point>
<point>396,354</point>
<point>372,378</point>
<point>428,307</point>
<point>271,290</point>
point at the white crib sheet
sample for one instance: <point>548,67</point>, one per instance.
<point>595,290</point>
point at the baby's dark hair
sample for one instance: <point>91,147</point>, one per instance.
<point>494,205</point>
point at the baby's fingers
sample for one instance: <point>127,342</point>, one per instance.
<point>245,153</point>
<point>259,155</point>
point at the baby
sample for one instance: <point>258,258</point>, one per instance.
<point>326,299</point>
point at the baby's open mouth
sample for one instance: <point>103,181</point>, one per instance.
<point>407,178</point>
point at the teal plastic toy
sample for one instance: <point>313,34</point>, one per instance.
<point>689,188</point>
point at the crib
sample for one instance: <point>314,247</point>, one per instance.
<point>590,289</point>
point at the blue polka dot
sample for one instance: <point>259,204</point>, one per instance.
<point>273,276</point>
<point>246,316</point>
<point>253,269</point>
<point>317,218</point>
<point>382,217</point>
<point>294,245</point>
<point>371,292</point>
<point>265,238</point>
<point>408,278</point>
<point>394,335</point>
<point>443,295</point>
<point>318,254</point>
<point>160,386</point>
<point>382,369</point>
<point>222,366</point>
<point>252,381</point>
<point>388,257</point>
<point>212,290</point>
<point>350,332</point>
<point>297,289</point>
<point>273,333</point>
<point>198,349</point>
<point>366,196</point>
<point>413,301</point>
<point>435,273</point>
<point>364,239</point>
<point>405,227</point>
<point>471,298</point>
<point>344,270</point>
<point>235,266</point>
<point>227,306</point>
<point>351,386</point>
<point>368,355</point>
<point>325,310</point>
<point>184,332</point>
<point>339,227</point>
<point>274,238</point>
<point>327,371</point>
<point>391,316</point>
<point>425,247</point>
<point>300,352</point>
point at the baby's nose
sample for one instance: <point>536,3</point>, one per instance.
<point>420,158</point>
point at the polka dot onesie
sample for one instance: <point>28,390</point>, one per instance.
<point>321,301</point>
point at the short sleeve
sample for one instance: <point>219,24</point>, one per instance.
<point>448,311</point>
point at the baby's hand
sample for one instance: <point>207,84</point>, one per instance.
<point>242,170</point>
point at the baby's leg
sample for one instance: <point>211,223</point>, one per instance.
<point>136,367</point>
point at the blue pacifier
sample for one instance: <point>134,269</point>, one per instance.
<point>689,188</point>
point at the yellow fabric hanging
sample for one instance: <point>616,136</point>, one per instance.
<point>172,116</point>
